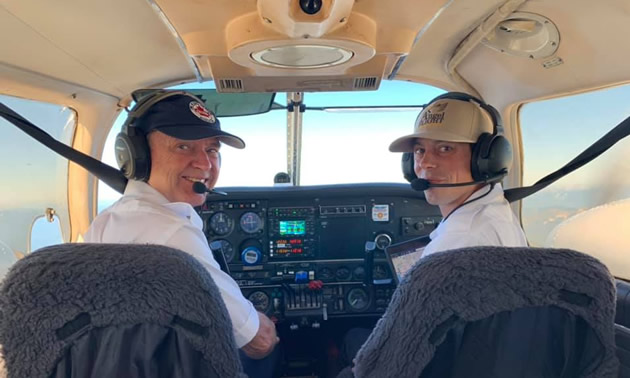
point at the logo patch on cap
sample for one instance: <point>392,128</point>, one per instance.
<point>201,112</point>
<point>434,115</point>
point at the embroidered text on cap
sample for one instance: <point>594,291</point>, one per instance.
<point>434,115</point>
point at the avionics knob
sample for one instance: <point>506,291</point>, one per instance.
<point>251,256</point>
<point>382,241</point>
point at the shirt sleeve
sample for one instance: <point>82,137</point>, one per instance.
<point>244,317</point>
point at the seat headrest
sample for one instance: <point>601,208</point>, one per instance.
<point>114,284</point>
<point>474,283</point>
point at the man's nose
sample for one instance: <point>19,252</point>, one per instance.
<point>202,160</point>
<point>426,161</point>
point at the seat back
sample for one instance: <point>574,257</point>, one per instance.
<point>495,312</point>
<point>113,310</point>
<point>622,316</point>
<point>622,339</point>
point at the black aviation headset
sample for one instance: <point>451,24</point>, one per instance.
<point>132,149</point>
<point>491,154</point>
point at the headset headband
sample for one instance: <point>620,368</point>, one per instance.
<point>461,96</point>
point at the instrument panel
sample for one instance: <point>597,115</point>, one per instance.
<point>301,252</point>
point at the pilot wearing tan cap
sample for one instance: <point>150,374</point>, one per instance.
<point>457,140</point>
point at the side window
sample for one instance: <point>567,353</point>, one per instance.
<point>46,231</point>
<point>34,179</point>
<point>588,209</point>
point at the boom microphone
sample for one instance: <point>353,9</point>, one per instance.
<point>422,184</point>
<point>199,187</point>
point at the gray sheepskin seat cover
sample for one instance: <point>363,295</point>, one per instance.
<point>116,285</point>
<point>474,283</point>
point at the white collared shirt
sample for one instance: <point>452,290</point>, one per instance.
<point>486,221</point>
<point>144,215</point>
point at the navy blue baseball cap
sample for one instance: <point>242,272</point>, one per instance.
<point>184,116</point>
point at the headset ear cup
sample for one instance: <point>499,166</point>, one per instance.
<point>500,155</point>
<point>133,156</point>
<point>478,161</point>
<point>407,165</point>
<point>491,156</point>
<point>122,150</point>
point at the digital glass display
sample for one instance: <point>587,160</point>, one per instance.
<point>292,227</point>
<point>286,247</point>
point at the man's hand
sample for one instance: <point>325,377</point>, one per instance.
<point>265,340</point>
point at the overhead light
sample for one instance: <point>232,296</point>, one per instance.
<point>302,56</point>
<point>526,35</point>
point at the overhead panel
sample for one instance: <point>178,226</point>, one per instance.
<point>542,50</point>
<point>276,45</point>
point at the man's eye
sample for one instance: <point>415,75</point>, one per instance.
<point>183,147</point>
<point>446,148</point>
<point>419,151</point>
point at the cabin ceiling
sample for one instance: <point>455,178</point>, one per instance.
<point>116,46</point>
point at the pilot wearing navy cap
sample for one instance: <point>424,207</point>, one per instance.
<point>181,140</point>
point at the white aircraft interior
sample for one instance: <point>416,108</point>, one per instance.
<point>318,89</point>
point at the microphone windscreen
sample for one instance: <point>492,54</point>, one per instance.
<point>199,187</point>
<point>420,184</point>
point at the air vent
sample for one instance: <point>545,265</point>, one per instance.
<point>365,82</point>
<point>230,85</point>
<point>553,62</point>
<point>342,210</point>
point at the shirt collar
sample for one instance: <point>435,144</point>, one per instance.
<point>137,188</point>
<point>140,189</point>
<point>495,195</point>
<point>496,191</point>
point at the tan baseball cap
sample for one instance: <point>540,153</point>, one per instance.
<point>449,120</point>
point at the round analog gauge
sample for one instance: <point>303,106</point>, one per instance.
<point>228,250</point>
<point>221,224</point>
<point>382,241</point>
<point>342,273</point>
<point>358,273</point>
<point>251,222</point>
<point>358,299</point>
<point>380,272</point>
<point>260,300</point>
<point>325,274</point>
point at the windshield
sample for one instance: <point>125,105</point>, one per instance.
<point>337,147</point>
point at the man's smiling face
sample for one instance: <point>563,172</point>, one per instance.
<point>442,162</point>
<point>176,164</point>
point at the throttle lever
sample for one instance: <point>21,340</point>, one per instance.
<point>217,251</point>
<point>368,259</point>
